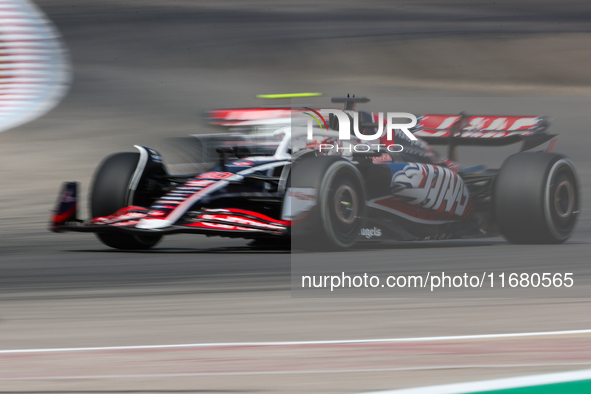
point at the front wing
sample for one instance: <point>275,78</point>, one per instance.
<point>230,222</point>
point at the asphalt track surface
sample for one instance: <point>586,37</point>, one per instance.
<point>144,71</point>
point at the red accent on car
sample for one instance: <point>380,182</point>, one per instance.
<point>216,175</point>
<point>64,216</point>
<point>259,215</point>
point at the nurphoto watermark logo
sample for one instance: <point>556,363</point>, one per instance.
<point>346,132</point>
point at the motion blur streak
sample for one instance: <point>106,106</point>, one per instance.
<point>300,360</point>
<point>34,70</point>
<point>299,343</point>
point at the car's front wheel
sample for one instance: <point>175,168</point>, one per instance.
<point>110,192</point>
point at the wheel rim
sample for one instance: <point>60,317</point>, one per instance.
<point>564,199</point>
<point>346,204</point>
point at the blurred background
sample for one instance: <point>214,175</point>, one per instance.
<point>147,70</point>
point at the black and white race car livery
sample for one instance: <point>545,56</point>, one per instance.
<point>280,186</point>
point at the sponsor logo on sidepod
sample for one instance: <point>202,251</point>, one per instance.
<point>433,187</point>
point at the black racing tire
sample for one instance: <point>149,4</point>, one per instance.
<point>317,228</point>
<point>342,204</point>
<point>536,198</point>
<point>110,192</point>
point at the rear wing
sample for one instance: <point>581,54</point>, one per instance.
<point>261,118</point>
<point>450,130</point>
<point>483,130</point>
<point>250,119</point>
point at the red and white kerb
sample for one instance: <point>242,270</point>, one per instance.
<point>34,66</point>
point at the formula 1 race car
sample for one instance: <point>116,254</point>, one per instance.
<point>314,188</point>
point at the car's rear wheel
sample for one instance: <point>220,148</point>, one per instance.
<point>111,192</point>
<point>536,198</point>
